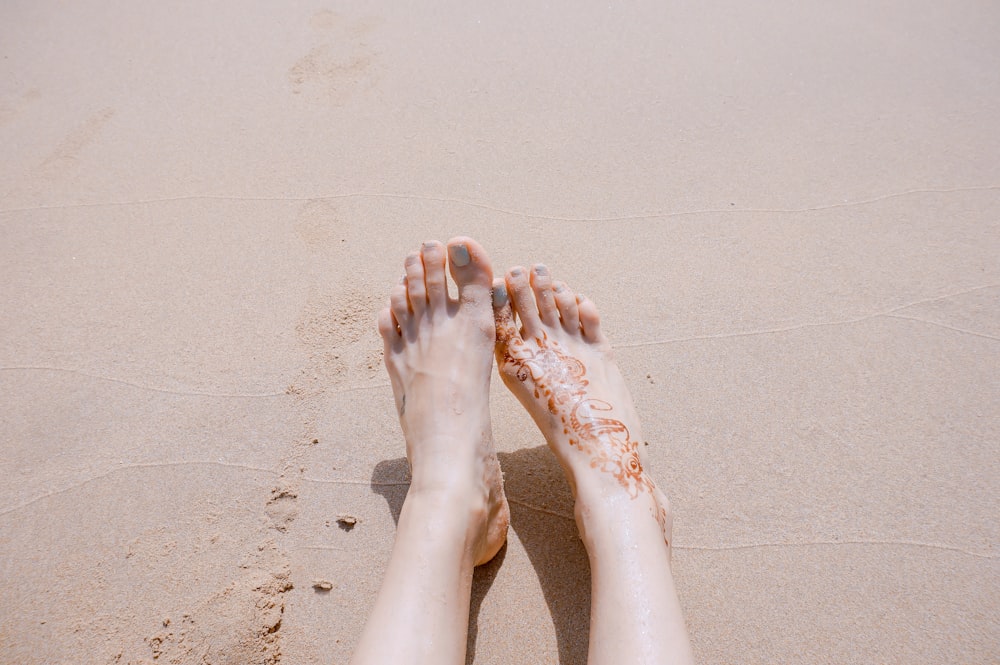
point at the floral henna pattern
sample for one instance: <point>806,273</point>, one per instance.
<point>560,379</point>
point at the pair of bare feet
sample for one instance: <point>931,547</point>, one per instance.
<point>552,355</point>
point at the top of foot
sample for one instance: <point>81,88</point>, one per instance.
<point>552,355</point>
<point>558,363</point>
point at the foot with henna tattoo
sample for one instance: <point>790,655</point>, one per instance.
<point>439,355</point>
<point>560,367</point>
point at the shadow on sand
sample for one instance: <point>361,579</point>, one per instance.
<point>541,510</point>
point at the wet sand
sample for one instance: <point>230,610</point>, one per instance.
<point>787,212</point>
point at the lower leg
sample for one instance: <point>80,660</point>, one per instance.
<point>421,614</point>
<point>560,367</point>
<point>635,616</point>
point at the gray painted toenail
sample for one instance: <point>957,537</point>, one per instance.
<point>460,256</point>
<point>428,246</point>
<point>540,269</point>
<point>516,272</point>
<point>499,295</point>
<point>560,287</point>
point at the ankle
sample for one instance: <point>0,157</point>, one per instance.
<point>457,504</point>
<point>603,507</point>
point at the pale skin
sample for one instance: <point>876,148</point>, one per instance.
<point>552,355</point>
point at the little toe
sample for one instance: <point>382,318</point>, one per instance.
<point>541,284</point>
<point>387,326</point>
<point>433,256</point>
<point>519,290</point>
<point>470,268</point>
<point>415,289</point>
<point>590,320</point>
<point>569,313</point>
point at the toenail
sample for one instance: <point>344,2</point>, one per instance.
<point>460,255</point>
<point>427,246</point>
<point>541,270</point>
<point>499,295</point>
<point>516,272</point>
<point>560,287</point>
<point>402,280</point>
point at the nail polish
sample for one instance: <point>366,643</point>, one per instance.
<point>460,256</point>
<point>499,295</point>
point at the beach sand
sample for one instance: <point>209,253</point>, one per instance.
<point>788,212</point>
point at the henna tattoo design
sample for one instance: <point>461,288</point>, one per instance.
<point>559,378</point>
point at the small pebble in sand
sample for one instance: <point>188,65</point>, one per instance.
<point>322,585</point>
<point>347,522</point>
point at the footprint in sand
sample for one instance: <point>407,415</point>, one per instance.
<point>341,62</point>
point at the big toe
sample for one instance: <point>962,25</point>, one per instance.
<point>503,317</point>
<point>471,269</point>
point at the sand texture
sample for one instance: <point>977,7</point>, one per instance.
<point>789,213</point>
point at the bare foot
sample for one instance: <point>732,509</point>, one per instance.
<point>561,368</point>
<point>438,352</point>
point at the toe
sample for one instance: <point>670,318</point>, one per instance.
<point>470,268</point>
<point>523,300</point>
<point>541,284</point>
<point>503,316</point>
<point>590,320</point>
<point>398,304</point>
<point>387,326</point>
<point>569,313</point>
<point>415,290</point>
<point>432,253</point>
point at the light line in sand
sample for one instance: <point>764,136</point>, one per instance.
<point>128,467</point>
<point>509,211</point>
<point>187,393</point>
<point>943,325</point>
<point>823,543</point>
<point>144,465</point>
<point>178,463</point>
<point>626,345</point>
<point>194,393</point>
<point>801,326</point>
<point>815,543</point>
